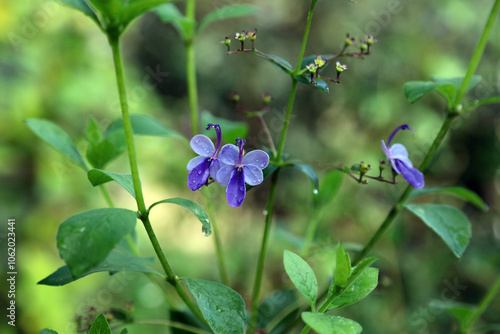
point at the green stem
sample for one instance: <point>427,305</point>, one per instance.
<point>306,34</point>
<point>262,255</point>
<point>143,213</point>
<point>289,108</point>
<point>404,197</point>
<point>106,196</point>
<point>218,244</point>
<point>312,226</point>
<point>476,57</point>
<point>483,304</point>
<point>191,71</point>
<point>127,125</point>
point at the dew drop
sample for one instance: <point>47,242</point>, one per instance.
<point>264,212</point>
<point>315,191</point>
<point>199,173</point>
<point>205,231</point>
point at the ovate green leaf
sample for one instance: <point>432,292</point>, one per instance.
<point>227,12</point>
<point>331,324</point>
<point>144,125</point>
<point>302,276</point>
<point>361,287</point>
<point>100,326</point>
<point>449,223</point>
<point>98,177</point>
<point>460,192</point>
<point>222,307</point>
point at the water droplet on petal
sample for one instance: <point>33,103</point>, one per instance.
<point>199,173</point>
<point>242,188</point>
<point>315,191</point>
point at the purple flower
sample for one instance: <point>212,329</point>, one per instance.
<point>206,164</point>
<point>401,164</point>
<point>238,170</point>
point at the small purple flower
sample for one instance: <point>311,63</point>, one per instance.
<point>206,164</point>
<point>401,164</point>
<point>238,170</point>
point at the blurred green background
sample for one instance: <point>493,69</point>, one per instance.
<point>55,64</point>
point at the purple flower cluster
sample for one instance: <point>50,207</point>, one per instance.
<point>230,168</point>
<point>397,154</point>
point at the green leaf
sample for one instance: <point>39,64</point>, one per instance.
<point>136,8</point>
<point>100,326</point>
<point>448,88</point>
<point>464,313</point>
<point>57,138</point>
<point>98,177</point>
<point>449,223</point>
<point>329,187</point>
<point>230,129</point>
<point>83,7</point>
<point>169,13</point>
<point>309,171</point>
<point>94,133</point>
<point>195,208</point>
<point>222,307</point>
<point>280,63</point>
<point>100,154</point>
<point>116,261</point>
<point>302,276</point>
<point>124,331</point>
<point>274,306</point>
<point>342,267</point>
<point>144,125</point>
<point>460,192</point>
<point>319,84</point>
<point>227,12</point>
<point>331,324</point>
<point>361,287</point>
<point>47,331</point>
<point>85,240</point>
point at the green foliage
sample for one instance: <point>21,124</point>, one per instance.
<point>329,187</point>
<point>448,88</point>
<point>449,223</point>
<point>227,12</point>
<point>195,208</point>
<point>460,192</point>
<point>331,324</point>
<point>47,331</point>
<point>310,59</point>
<point>342,267</point>
<point>98,177</point>
<point>319,84</point>
<point>116,261</point>
<point>302,276</point>
<point>82,6</point>
<point>85,240</point>
<point>100,326</point>
<point>309,172</point>
<point>275,305</point>
<point>169,13</point>
<point>56,137</point>
<point>144,125</point>
<point>463,313</point>
<point>222,307</point>
<point>361,287</point>
<point>280,63</point>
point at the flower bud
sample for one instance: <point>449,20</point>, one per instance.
<point>364,168</point>
<point>226,41</point>
<point>369,39</point>
<point>251,35</point>
<point>382,165</point>
<point>348,40</point>
<point>234,97</point>
<point>312,68</point>
<point>363,46</point>
<point>340,67</point>
<point>266,98</point>
<point>240,36</point>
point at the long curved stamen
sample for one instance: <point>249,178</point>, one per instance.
<point>218,131</point>
<point>402,127</point>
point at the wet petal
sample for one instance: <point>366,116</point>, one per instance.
<point>195,162</point>
<point>229,154</point>
<point>224,175</point>
<point>236,190</point>
<point>202,145</point>
<point>198,176</point>
<point>412,175</point>
<point>257,158</point>
<point>253,175</point>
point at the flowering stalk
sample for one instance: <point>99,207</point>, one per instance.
<point>114,42</point>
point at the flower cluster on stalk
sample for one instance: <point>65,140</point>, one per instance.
<point>231,168</point>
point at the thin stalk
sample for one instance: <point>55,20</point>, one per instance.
<point>476,57</point>
<point>312,226</point>
<point>289,108</point>
<point>143,213</point>
<point>267,133</point>
<point>485,302</point>
<point>306,34</point>
<point>127,125</point>
<point>262,255</point>
<point>106,196</point>
<point>218,244</point>
<point>191,71</point>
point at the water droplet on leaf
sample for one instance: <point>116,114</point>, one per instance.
<point>315,191</point>
<point>205,231</point>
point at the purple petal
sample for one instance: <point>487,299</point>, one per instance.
<point>257,158</point>
<point>236,190</point>
<point>224,175</point>
<point>202,145</point>
<point>412,175</point>
<point>194,162</point>
<point>229,154</point>
<point>214,168</point>
<point>399,150</point>
<point>198,176</point>
<point>253,175</point>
